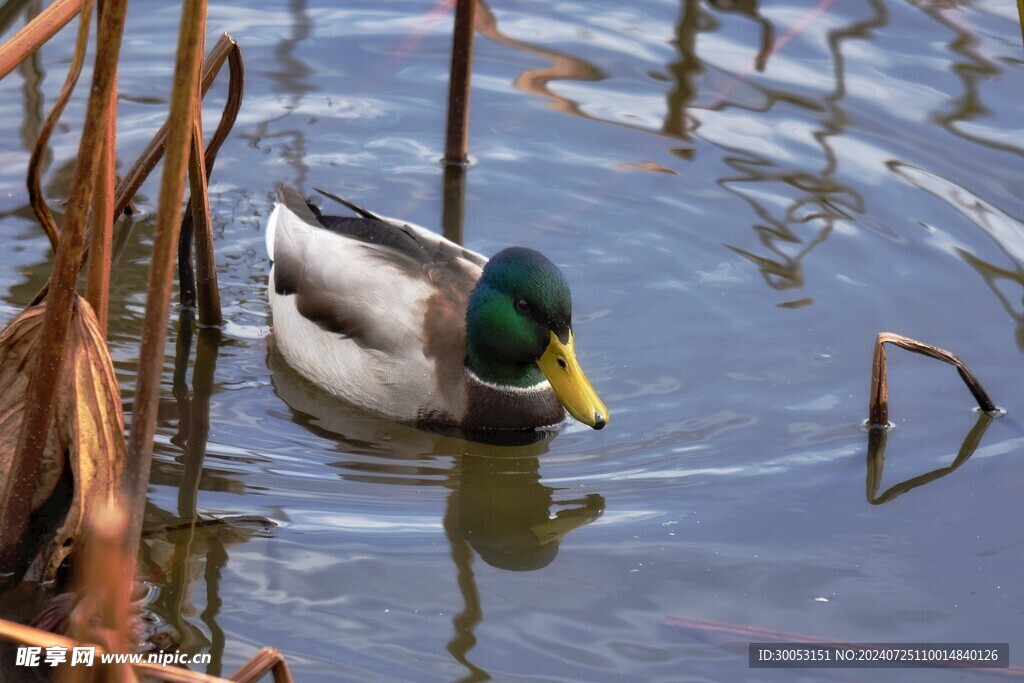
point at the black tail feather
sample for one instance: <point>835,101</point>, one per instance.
<point>358,209</point>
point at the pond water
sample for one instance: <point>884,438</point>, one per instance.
<point>741,196</point>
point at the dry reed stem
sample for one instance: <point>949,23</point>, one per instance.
<point>453,211</point>
<point>456,145</point>
<point>199,203</point>
<point>97,290</point>
<point>35,191</point>
<point>38,31</point>
<point>51,354</point>
<point>878,408</point>
<point>267,659</point>
<point>101,615</point>
<point>107,566</point>
<point>193,212</point>
<point>236,87</point>
<point>147,393</point>
<point>226,47</point>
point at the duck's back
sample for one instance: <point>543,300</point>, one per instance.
<point>372,310</point>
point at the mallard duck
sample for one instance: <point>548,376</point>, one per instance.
<point>402,322</point>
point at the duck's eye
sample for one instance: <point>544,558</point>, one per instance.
<point>522,306</point>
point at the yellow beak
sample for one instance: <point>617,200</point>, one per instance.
<point>558,363</point>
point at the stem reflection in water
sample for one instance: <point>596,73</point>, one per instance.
<point>877,439</point>
<point>817,200</point>
<point>176,546</point>
<point>999,226</point>
<point>293,80</point>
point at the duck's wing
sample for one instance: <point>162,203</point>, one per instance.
<point>370,303</point>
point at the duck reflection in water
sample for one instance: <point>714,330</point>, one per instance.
<point>497,501</point>
<point>504,512</point>
<point>497,505</point>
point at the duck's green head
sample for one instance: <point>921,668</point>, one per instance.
<point>519,331</point>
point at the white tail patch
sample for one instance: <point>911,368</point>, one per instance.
<point>275,217</point>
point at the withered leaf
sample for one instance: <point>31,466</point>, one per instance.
<point>87,432</point>
<point>17,342</point>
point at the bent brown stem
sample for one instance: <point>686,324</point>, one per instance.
<point>225,48</point>
<point>267,659</point>
<point>878,408</point>
<point>199,204</point>
<point>204,243</point>
<point>35,192</point>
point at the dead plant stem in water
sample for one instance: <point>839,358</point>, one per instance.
<point>226,49</point>
<point>457,139</point>
<point>147,392</point>
<point>199,204</point>
<point>35,191</point>
<point>38,31</point>
<point>97,290</point>
<point>878,409</point>
<point>101,616</point>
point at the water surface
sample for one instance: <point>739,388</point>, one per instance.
<point>741,196</point>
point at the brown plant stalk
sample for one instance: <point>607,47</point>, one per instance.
<point>35,192</point>
<point>878,408</point>
<point>199,204</point>
<point>226,48</point>
<point>38,31</point>
<point>101,615</point>
<point>267,659</point>
<point>97,291</point>
<point>147,393</point>
<point>457,139</point>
